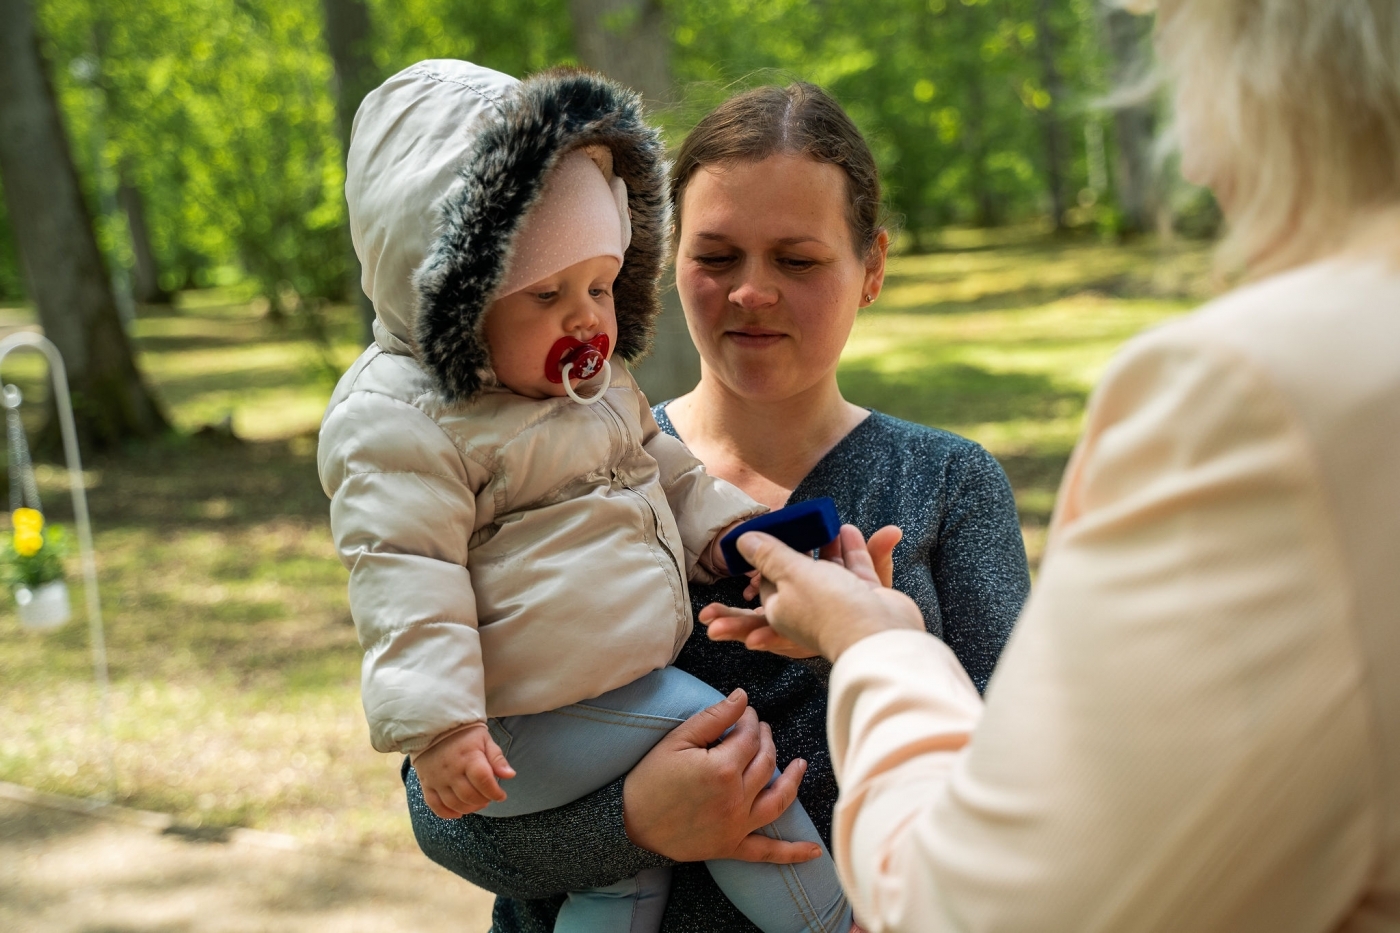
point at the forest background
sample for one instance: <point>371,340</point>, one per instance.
<point>209,135</point>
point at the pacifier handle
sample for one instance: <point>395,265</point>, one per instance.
<point>568,388</point>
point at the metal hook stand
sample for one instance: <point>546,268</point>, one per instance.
<point>58,375</point>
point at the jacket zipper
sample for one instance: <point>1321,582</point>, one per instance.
<point>651,509</point>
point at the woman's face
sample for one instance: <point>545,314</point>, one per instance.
<point>768,276</point>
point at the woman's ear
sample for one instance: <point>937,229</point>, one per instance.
<point>875,267</point>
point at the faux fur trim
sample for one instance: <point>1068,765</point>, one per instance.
<point>547,115</point>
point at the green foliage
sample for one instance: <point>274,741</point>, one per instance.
<point>221,113</point>
<point>512,36</point>
<point>951,93</point>
<point>43,566</point>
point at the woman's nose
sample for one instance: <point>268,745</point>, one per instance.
<point>753,290</point>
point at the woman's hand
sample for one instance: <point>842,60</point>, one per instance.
<point>750,626</point>
<point>692,800</point>
<point>880,547</point>
<point>823,606</point>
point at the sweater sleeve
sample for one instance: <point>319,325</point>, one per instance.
<point>539,855</point>
<point>401,512</point>
<point>979,565</point>
<point>1177,736</point>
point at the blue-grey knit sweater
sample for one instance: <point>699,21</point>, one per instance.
<point>962,560</point>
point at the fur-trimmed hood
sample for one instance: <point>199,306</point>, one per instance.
<point>446,158</point>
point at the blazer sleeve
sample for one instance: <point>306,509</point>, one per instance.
<point>402,510</point>
<point>1175,738</point>
<point>703,505</point>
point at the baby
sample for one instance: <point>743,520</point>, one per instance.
<point>519,532</point>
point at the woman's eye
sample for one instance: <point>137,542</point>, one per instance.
<point>712,261</point>
<point>797,265</point>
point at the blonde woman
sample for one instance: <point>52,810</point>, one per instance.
<point>1196,724</point>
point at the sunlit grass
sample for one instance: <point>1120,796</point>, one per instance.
<point>235,669</point>
<point>1002,338</point>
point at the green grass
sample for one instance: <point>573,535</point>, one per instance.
<point>235,671</point>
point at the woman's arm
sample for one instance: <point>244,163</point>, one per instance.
<point>1176,737</point>
<point>693,797</point>
<point>582,844</point>
<point>979,563</point>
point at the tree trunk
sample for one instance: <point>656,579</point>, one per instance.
<point>673,368</point>
<point>975,140</point>
<point>64,271</point>
<point>145,273</point>
<point>626,40</point>
<point>1134,127</point>
<point>1056,150</point>
<point>348,34</point>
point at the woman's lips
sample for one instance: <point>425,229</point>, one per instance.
<point>754,338</point>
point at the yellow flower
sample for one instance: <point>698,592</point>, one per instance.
<point>27,520</point>
<point>27,543</point>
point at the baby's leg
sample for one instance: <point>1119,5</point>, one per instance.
<point>787,898</point>
<point>633,905</point>
<point>563,754</point>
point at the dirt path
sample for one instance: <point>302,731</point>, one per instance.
<point>67,867</point>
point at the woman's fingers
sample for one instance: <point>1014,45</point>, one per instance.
<point>856,556</point>
<point>771,640</point>
<point>757,847</point>
<point>727,623</point>
<point>881,546</point>
<point>705,728</point>
<point>770,804</point>
<point>759,770</point>
<point>691,799</point>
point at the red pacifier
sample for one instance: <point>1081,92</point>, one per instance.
<point>574,359</point>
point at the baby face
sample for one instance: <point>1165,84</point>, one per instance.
<point>522,327</point>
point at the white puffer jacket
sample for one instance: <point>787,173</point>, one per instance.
<point>507,555</point>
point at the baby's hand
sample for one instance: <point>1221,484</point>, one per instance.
<point>459,773</point>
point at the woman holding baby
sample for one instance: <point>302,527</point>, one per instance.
<point>778,245</point>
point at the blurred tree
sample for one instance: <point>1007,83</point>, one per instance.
<point>627,40</point>
<point>65,271</point>
<point>349,37</point>
<point>1053,126</point>
<point>145,270</point>
<point>1134,125</point>
<point>11,279</point>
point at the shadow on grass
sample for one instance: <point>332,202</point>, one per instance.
<point>179,390</point>
<point>215,483</point>
<point>957,393</point>
<point>214,556</point>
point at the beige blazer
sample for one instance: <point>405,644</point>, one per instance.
<point>1196,725</point>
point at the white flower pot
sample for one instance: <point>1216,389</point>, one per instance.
<point>44,607</point>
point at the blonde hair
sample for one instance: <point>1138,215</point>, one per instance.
<point>1295,105</point>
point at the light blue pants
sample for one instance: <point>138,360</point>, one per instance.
<point>563,754</point>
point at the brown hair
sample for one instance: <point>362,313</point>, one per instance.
<point>800,119</point>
